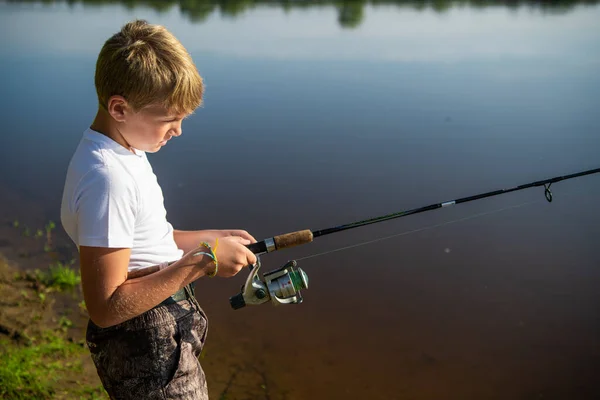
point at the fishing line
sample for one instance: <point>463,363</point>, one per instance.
<point>306,236</point>
<point>405,233</point>
<point>283,285</point>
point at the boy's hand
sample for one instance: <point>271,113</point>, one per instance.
<point>234,232</point>
<point>232,255</point>
<point>188,240</point>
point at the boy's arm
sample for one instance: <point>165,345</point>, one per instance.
<point>188,240</point>
<point>111,298</point>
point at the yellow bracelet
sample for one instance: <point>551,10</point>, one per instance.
<point>214,253</point>
<point>211,255</point>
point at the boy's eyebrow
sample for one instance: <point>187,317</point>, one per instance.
<point>166,114</point>
<point>176,116</point>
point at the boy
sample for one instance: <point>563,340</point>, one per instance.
<point>145,334</point>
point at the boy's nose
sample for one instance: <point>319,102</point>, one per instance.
<point>176,131</point>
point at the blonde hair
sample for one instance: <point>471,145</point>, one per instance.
<point>147,65</point>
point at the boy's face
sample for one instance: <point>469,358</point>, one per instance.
<point>150,128</point>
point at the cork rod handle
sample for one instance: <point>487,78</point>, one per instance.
<point>293,239</point>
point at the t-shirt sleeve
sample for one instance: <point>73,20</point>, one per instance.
<point>106,205</point>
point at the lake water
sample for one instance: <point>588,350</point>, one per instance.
<point>318,115</point>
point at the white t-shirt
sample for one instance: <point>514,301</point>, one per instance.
<point>112,199</point>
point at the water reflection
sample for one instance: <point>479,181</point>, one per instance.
<point>388,33</point>
<point>351,13</point>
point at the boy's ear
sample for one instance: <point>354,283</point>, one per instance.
<point>118,108</point>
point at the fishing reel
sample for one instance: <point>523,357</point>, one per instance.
<point>281,286</point>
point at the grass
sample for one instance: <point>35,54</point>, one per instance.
<point>28,372</point>
<point>39,233</point>
<point>62,277</point>
<point>33,371</point>
<point>58,276</point>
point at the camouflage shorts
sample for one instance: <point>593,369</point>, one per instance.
<point>152,356</point>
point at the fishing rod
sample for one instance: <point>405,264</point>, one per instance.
<point>283,285</point>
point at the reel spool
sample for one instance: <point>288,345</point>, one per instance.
<point>281,286</point>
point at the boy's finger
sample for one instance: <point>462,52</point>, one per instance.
<point>245,235</point>
<point>240,239</point>
<point>251,258</point>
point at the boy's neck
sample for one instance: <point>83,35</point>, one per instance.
<point>105,124</point>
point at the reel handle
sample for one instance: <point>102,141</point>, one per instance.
<point>281,242</point>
